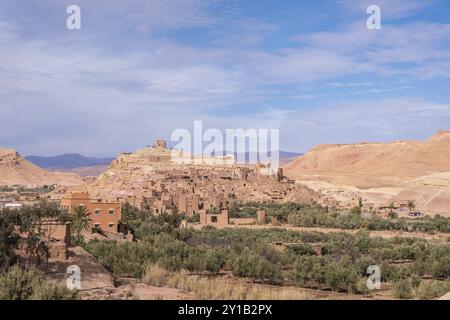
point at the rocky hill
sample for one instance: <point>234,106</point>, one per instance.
<point>15,170</point>
<point>367,165</point>
<point>380,173</point>
<point>431,193</point>
<point>163,178</point>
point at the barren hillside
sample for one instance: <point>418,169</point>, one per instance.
<point>368,165</point>
<point>431,193</point>
<point>15,170</point>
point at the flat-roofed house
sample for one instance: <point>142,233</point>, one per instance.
<point>104,215</point>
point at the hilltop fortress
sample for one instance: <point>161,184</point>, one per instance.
<point>152,177</point>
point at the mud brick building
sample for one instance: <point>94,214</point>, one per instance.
<point>104,215</point>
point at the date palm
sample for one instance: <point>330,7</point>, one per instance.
<point>411,205</point>
<point>81,220</point>
<point>391,207</point>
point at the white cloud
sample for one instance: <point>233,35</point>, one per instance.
<point>79,90</point>
<point>352,122</point>
<point>421,45</point>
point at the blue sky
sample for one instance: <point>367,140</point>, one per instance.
<point>139,69</point>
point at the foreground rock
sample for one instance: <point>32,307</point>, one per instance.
<point>99,283</point>
<point>93,275</point>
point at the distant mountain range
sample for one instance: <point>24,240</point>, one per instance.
<point>15,170</point>
<point>68,161</point>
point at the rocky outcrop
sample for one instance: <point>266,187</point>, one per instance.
<point>15,170</point>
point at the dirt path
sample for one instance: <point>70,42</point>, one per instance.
<point>141,291</point>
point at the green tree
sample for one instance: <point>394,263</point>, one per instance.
<point>392,214</point>
<point>129,214</point>
<point>411,205</point>
<point>214,261</point>
<point>81,221</point>
<point>249,264</point>
<point>30,221</point>
<point>8,240</point>
<point>428,290</point>
<point>402,289</point>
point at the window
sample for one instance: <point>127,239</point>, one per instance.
<point>213,219</point>
<point>110,225</point>
<point>111,211</point>
<point>97,211</point>
<point>97,225</point>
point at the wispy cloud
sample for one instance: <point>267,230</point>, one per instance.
<point>391,9</point>
<point>140,69</point>
<point>366,121</point>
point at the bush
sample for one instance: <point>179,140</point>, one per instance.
<point>342,276</point>
<point>432,289</point>
<point>125,259</point>
<point>249,264</point>
<point>303,269</point>
<point>402,289</point>
<point>214,261</point>
<point>8,240</point>
<point>19,284</point>
<point>156,276</point>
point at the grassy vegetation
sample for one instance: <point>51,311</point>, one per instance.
<point>22,189</point>
<point>20,284</point>
<point>249,254</point>
<point>314,215</point>
<point>24,281</point>
<point>215,288</point>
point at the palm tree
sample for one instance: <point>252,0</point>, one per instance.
<point>81,220</point>
<point>391,207</point>
<point>391,210</point>
<point>411,205</point>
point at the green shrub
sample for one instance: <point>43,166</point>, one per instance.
<point>249,264</point>
<point>428,290</point>
<point>19,284</point>
<point>402,289</point>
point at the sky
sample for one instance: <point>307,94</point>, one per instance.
<point>137,70</point>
